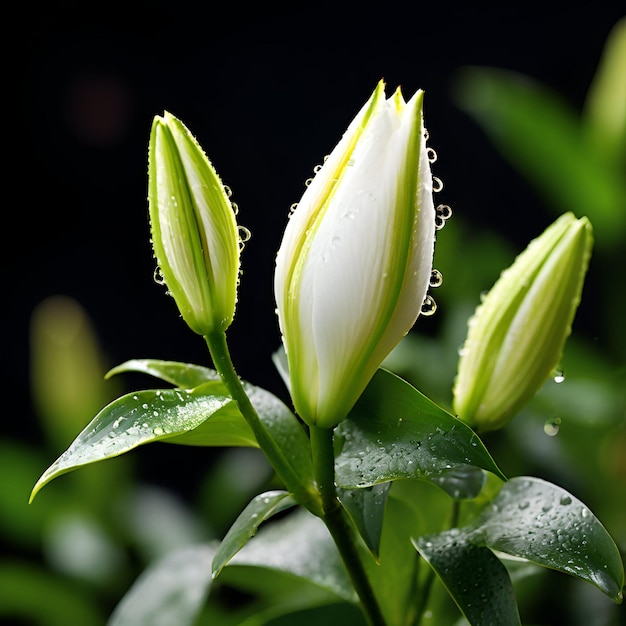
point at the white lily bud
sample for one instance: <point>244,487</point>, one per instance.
<point>194,231</point>
<point>517,334</point>
<point>354,265</point>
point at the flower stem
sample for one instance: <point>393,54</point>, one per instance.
<point>337,523</point>
<point>220,354</point>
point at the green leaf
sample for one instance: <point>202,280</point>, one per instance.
<point>261,508</point>
<point>183,375</point>
<point>395,432</point>
<point>139,418</point>
<point>366,507</point>
<point>283,425</point>
<point>474,577</point>
<point>299,545</point>
<point>201,416</point>
<point>171,591</point>
<point>544,139</point>
<point>604,114</point>
<point>543,523</point>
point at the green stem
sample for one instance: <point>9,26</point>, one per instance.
<point>305,494</point>
<point>338,524</point>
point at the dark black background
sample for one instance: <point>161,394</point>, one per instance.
<point>267,88</point>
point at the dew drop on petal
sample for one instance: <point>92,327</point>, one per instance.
<point>436,279</point>
<point>429,306</point>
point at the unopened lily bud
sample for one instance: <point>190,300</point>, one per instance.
<point>355,261</point>
<point>194,231</point>
<point>516,337</point>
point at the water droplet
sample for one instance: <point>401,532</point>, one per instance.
<point>307,182</point>
<point>228,190</point>
<point>551,427</point>
<point>436,279</point>
<point>559,377</point>
<point>244,233</point>
<point>444,211</point>
<point>565,500</point>
<point>429,306</point>
<point>317,168</point>
<point>524,505</point>
<point>292,209</point>
<point>158,431</point>
<point>159,279</point>
<point>432,155</point>
<point>437,184</point>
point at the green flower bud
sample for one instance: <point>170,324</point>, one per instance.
<point>356,258</point>
<point>516,336</point>
<point>194,231</point>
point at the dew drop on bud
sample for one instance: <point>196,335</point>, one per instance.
<point>436,279</point>
<point>437,184</point>
<point>158,276</point>
<point>559,377</point>
<point>444,211</point>
<point>244,236</point>
<point>429,306</point>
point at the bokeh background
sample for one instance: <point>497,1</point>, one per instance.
<point>267,89</point>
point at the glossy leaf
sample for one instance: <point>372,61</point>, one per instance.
<point>183,375</point>
<point>299,545</point>
<point>474,577</point>
<point>530,519</point>
<point>139,418</point>
<point>366,507</point>
<point>261,508</point>
<point>543,523</point>
<point>171,591</point>
<point>182,416</point>
<point>282,424</point>
<point>395,432</point>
